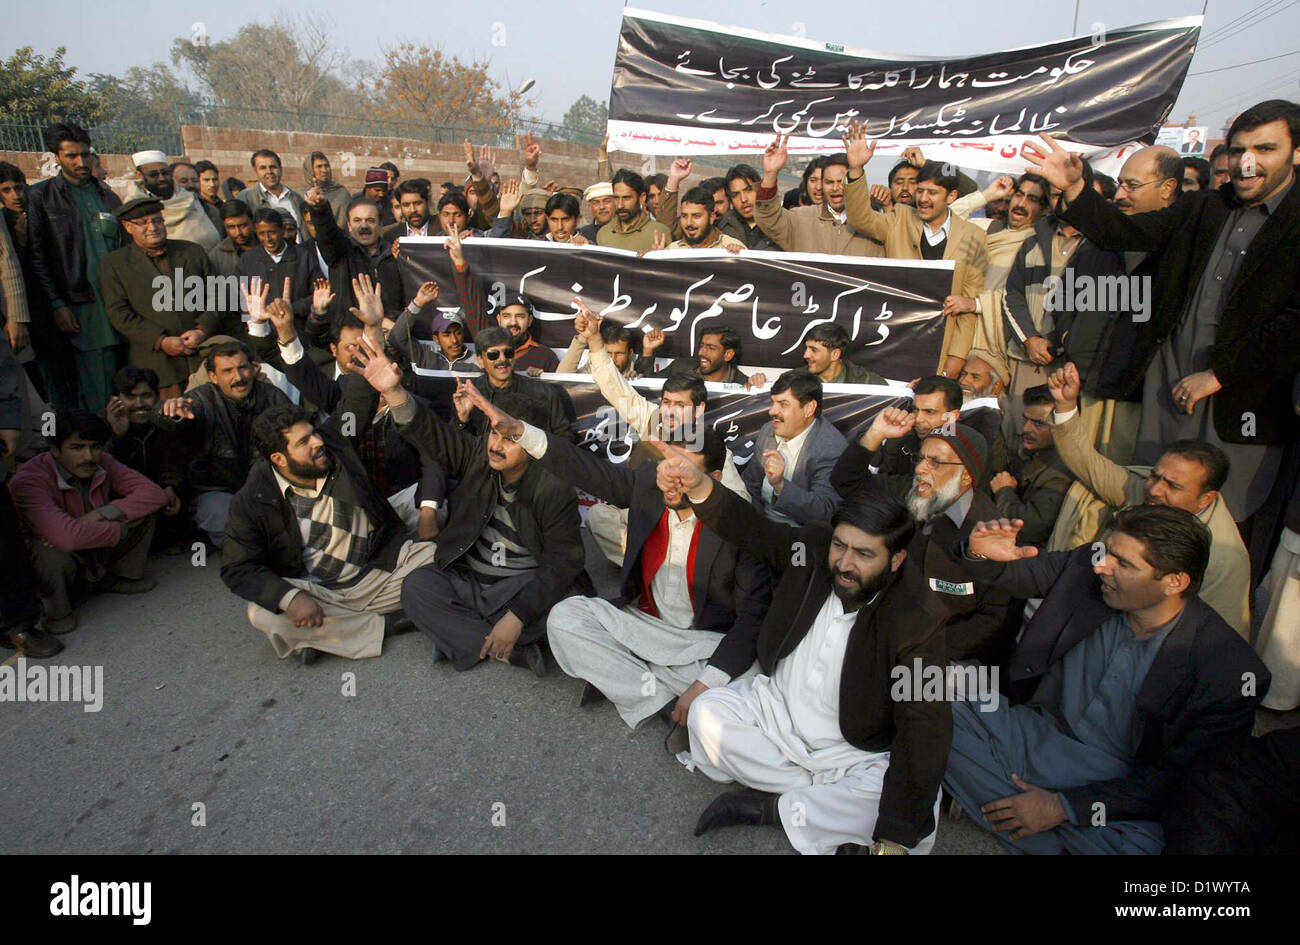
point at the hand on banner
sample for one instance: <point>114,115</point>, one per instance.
<point>756,381</point>
<point>858,148</point>
<point>958,305</point>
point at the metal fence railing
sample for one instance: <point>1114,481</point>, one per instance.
<point>123,137</point>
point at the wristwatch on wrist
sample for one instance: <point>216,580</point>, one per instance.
<point>888,848</point>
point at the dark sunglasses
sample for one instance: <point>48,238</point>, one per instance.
<point>507,353</point>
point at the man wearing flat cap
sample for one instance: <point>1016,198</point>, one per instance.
<point>946,494</point>
<point>157,293</point>
<point>183,212</point>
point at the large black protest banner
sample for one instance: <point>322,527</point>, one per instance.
<point>890,308</point>
<point>685,86</point>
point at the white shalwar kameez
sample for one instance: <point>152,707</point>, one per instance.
<point>781,734</point>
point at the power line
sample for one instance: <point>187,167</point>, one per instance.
<point>1253,62</point>
<point>1241,28</point>
<point>1233,22</point>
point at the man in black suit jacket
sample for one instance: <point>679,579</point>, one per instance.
<point>1130,677</point>
<point>947,495</point>
<point>690,603</point>
<point>1221,349</point>
<point>822,737</point>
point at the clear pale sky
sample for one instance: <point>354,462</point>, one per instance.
<point>569,47</point>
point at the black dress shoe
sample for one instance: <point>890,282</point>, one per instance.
<point>744,806</point>
<point>591,696</point>
<point>397,622</point>
<point>529,657</point>
<point>33,642</point>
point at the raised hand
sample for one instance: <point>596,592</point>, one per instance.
<point>509,197</point>
<point>1003,187</point>
<point>487,161</point>
<point>255,295</point>
<point>652,341</point>
<point>1058,166</point>
<point>680,170</point>
<point>591,322</point>
<point>893,423</point>
<point>313,196</point>
<point>604,148</point>
<point>281,315</point>
<point>428,292</point>
<point>1064,387</point>
<point>532,151</point>
<point>370,304</point>
<point>395,248</point>
<point>115,414</point>
<point>321,296</point>
<point>857,147</point>
<point>996,540</point>
<point>913,156</point>
<point>775,156</point>
<point>471,163</point>
<point>658,241</point>
<point>882,195</point>
<point>453,246</point>
<point>380,373</point>
<point>774,468</point>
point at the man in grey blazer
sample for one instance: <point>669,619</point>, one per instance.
<point>789,476</point>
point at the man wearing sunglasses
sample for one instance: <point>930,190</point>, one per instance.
<point>496,355</point>
<point>947,493</point>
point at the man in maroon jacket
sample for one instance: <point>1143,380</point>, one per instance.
<point>90,518</point>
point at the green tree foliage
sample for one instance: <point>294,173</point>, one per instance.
<point>37,89</point>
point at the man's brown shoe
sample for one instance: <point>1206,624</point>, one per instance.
<point>33,643</point>
<point>121,585</point>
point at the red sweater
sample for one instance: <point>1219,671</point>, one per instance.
<point>51,509</point>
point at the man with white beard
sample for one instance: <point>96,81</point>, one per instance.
<point>946,494</point>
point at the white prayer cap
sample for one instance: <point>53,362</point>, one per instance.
<point>141,158</point>
<point>600,189</point>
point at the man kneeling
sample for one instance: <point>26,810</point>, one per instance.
<point>311,543</point>
<point>825,749</point>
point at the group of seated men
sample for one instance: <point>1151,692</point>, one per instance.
<point>1027,581</point>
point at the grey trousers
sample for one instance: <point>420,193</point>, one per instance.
<point>457,612</point>
<point>210,512</point>
<point>66,578</point>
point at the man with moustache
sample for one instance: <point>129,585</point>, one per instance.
<point>1189,475</point>
<point>947,494</point>
<point>690,604</point>
<point>494,349</point>
<point>789,476</point>
<point>826,350</point>
<point>822,227</point>
<point>632,228</point>
<point>186,177</point>
<point>818,743</point>
<point>1122,680</point>
<point>1220,352</point>
<point>600,204</point>
<point>216,419</point>
<point>183,212</point>
<point>158,456</point>
<point>71,228</point>
<point>312,545</point>
<point>90,518</point>
<point>361,250</point>
<point>413,198</point>
<point>695,217</point>
<point>138,286</point>
<point>1034,484</point>
<point>271,191</point>
<point>714,361</point>
<point>237,221</point>
<point>511,549</point>
<point>927,230</point>
<point>1220,167</point>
